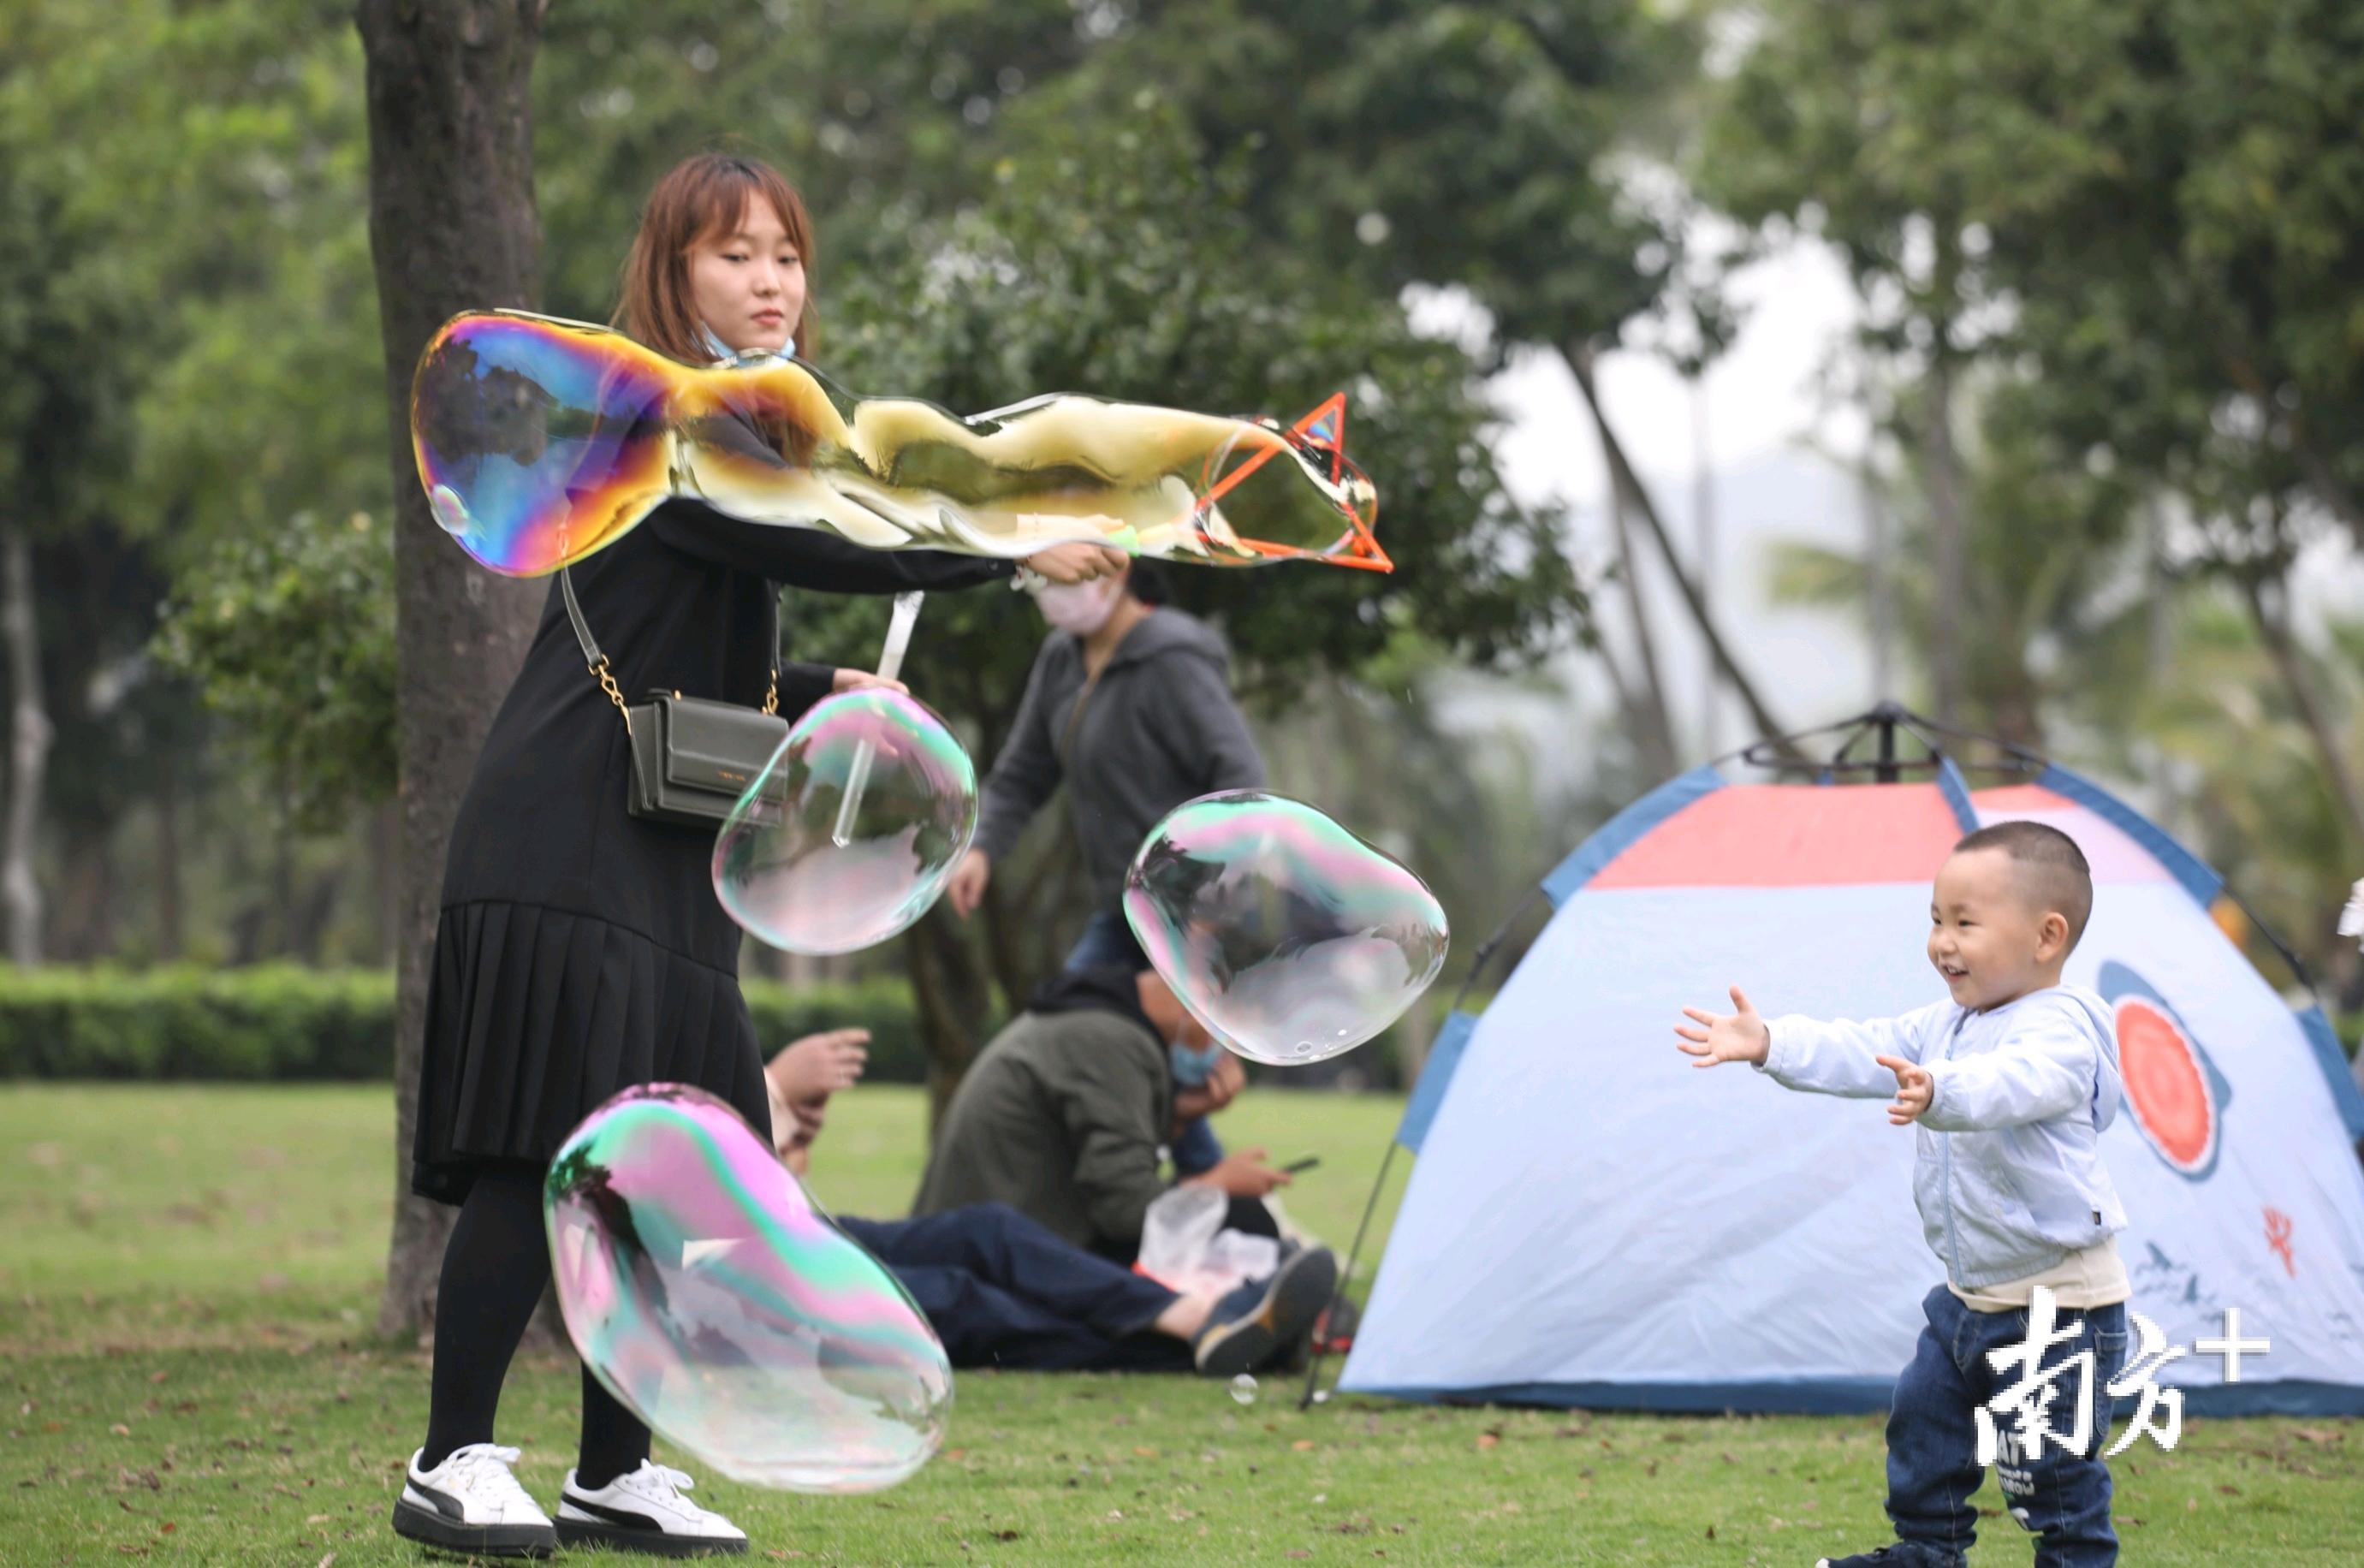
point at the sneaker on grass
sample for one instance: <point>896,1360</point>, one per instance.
<point>1903,1554</point>
<point>644,1510</point>
<point>1263,1321</point>
<point>472,1504</point>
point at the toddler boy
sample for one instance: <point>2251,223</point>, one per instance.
<point>2010,1080</point>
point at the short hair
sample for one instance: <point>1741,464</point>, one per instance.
<point>2051,867</point>
<point>1148,582</point>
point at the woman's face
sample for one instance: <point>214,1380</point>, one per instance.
<point>748,286</point>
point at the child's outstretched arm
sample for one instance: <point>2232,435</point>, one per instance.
<point>2044,1070</point>
<point>1839,1057</point>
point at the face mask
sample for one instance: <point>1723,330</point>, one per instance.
<point>744,359</point>
<point>1191,1068</point>
<point>1080,607</point>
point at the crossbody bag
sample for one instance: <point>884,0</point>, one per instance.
<point>692,757</point>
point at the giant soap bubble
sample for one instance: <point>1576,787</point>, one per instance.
<point>541,440</point>
<point>706,1291</point>
<point>1289,937</point>
<point>851,832</point>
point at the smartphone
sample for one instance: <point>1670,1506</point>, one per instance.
<point>1305,1165</point>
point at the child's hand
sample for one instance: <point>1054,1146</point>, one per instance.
<point>1733,1037</point>
<point>1914,1088</point>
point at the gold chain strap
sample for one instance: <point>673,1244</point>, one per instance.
<point>615,694</point>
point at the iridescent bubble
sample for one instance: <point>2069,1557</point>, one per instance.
<point>706,1291</point>
<point>1243,1389</point>
<point>801,869</point>
<point>1289,937</point>
<point>540,442</point>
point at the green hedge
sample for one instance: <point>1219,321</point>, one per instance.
<point>282,1022</point>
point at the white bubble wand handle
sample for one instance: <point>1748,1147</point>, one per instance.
<point>890,664</point>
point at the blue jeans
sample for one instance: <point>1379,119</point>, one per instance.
<point>1002,1291</point>
<point>1108,943</point>
<point>2060,1498</point>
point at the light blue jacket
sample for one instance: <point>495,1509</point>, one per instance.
<point>2007,1172</point>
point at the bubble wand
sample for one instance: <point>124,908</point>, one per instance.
<point>890,664</point>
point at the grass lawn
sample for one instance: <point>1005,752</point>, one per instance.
<point>187,1276</point>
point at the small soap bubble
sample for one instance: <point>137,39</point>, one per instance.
<point>705,1290</point>
<point>1243,1389</point>
<point>850,834</point>
<point>1291,940</point>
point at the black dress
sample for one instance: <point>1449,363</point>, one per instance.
<point>580,949</point>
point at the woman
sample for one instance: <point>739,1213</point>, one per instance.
<point>581,950</point>
<point>1129,702</point>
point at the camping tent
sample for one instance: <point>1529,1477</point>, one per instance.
<point>1592,1221</point>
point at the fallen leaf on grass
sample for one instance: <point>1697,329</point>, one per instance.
<point>326,1561</point>
<point>1305,1445</point>
<point>1490,1439</point>
<point>1710,1532</point>
<point>2317,1435</point>
<point>317,1519</point>
<point>1005,1534</point>
<point>120,1430</point>
<point>2230,1491</point>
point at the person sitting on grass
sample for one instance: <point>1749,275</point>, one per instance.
<point>1063,1115</point>
<point>2011,1081</point>
<point>1002,1291</point>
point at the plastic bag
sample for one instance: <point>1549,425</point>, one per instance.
<point>1185,1247</point>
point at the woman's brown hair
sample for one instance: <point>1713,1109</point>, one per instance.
<point>701,198</point>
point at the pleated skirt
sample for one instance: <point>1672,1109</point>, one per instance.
<point>536,1016</point>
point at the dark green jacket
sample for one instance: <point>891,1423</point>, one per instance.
<point>1062,1117</point>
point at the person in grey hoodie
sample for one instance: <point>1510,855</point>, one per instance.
<point>2011,1081</point>
<point>1128,704</point>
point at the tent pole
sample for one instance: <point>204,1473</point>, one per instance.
<point>1338,1293</point>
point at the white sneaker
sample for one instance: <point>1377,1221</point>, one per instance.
<point>470,1503</point>
<point>645,1511</point>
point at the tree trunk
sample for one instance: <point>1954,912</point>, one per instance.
<point>169,920</point>
<point>1879,579</point>
<point>29,734</point>
<point>1646,509</point>
<point>951,992</point>
<point>452,228</point>
<point>386,878</point>
<point>1655,735</point>
<point>1705,550</point>
<point>1949,566</point>
<point>2273,629</point>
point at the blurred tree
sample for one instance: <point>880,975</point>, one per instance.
<point>291,637</point>
<point>2150,210</point>
<point>2047,595</point>
<point>1138,277</point>
<point>1509,149</point>
<point>177,305</point>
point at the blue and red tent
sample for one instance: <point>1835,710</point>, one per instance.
<point>1590,1221</point>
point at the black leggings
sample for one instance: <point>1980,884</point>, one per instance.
<point>494,1271</point>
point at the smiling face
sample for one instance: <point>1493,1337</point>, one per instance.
<point>1990,935</point>
<point>748,283</point>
